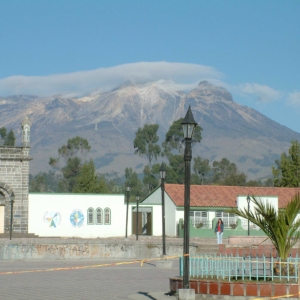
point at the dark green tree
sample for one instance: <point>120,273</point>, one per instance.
<point>174,139</point>
<point>7,139</point>
<point>114,182</point>
<point>74,146</point>
<point>201,168</point>
<point>176,169</point>
<point>104,187</point>
<point>145,142</point>
<point>287,169</point>
<point>70,172</point>
<point>238,179</point>
<point>38,184</point>
<point>254,183</point>
<point>269,182</point>
<point>151,175</point>
<point>70,155</point>
<point>87,181</point>
<point>173,147</point>
<point>226,173</point>
<point>136,186</point>
<point>3,133</point>
<point>44,182</point>
<point>10,139</point>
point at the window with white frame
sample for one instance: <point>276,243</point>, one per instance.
<point>98,216</point>
<point>229,220</point>
<point>107,217</point>
<point>199,219</point>
<point>90,218</point>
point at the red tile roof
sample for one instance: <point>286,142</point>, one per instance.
<point>225,196</point>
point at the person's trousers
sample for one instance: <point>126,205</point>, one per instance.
<point>219,237</point>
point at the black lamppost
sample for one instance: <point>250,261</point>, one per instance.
<point>127,199</point>
<point>162,172</point>
<point>248,200</point>
<point>12,200</point>
<point>137,217</point>
<point>188,126</point>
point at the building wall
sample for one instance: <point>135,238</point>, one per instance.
<point>53,215</point>
<point>14,173</point>
<point>170,215</point>
<point>179,214</point>
<point>49,216</point>
<point>242,203</point>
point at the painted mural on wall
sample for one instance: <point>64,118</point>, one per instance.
<point>52,218</point>
<point>65,251</point>
<point>72,250</point>
<point>76,218</point>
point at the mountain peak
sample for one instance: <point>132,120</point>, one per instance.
<point>204,83</point>
<point>208,91</point>
<point>125,84</point>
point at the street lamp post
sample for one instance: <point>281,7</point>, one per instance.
<point>137,217</point>
<point>248,200</point>
<point>12,200</point>
<point>127,199</point>
<point>162,172</point>
<point>188,126</point>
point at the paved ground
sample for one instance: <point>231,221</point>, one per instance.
<point>131,281</point>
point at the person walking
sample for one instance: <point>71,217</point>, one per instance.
<point>219,231</point>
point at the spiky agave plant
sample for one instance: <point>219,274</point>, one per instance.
<point>280,227</point>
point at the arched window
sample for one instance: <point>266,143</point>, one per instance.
<point>107,217</point>
<point>98,216</point>
<point>90,217</point>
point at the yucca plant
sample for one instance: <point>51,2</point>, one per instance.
<point>280,227</point>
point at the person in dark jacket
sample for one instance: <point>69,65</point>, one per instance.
<point>219,231</point>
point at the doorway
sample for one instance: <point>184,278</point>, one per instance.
<point>144,221</point>
<point>2,218</point>
<point>2,212</point>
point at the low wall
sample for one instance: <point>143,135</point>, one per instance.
<point>236,290</point>
<point>249,240</point>
<point>76,249</point>
<point>252,246</point>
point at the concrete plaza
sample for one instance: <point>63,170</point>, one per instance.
<point>36,280</point>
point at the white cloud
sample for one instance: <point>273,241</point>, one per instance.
<point>262,93</point>
<point>105,79</point>
<point>294,98</point>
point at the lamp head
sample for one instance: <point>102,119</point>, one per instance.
<point>162,171</point>
<point>188,124</point>
<point>248,199</point>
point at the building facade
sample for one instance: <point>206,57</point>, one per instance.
<point>14,178</point>
<point>100,215</point>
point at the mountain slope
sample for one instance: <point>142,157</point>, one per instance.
<point>109,121</point>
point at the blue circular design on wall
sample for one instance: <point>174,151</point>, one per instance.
<point>76,218</point>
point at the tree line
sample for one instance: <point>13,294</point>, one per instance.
<point>72,173</point>
<point>7,138</point>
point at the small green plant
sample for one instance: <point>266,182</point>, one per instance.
<point>199,225</point>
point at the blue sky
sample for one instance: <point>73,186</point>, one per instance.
<point>250,47</point>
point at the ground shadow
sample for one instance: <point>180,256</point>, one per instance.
<point>147,295</point>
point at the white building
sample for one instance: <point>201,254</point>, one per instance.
<point>77,215</point>
<point>97,215</point>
